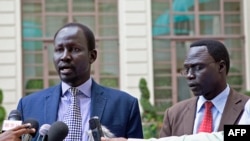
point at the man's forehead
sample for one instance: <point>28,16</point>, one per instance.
<point>69,29</point>
<point>197,50</point>
<point>197,54</point>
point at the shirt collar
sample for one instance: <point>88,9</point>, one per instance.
<point>85,88</point>
<point>219,101</point>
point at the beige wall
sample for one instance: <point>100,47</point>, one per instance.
<point>246,11</point>
<point>135,45</point>
<point>10,53</point>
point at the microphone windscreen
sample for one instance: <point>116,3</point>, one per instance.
<point>44,129</point>
<point>58,131</point>
<point>14,119</point>
<point>34,124</point>
<point>14,115</point>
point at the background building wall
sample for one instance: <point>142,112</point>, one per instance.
<point>135,45</point>
<point>10,53</point>
<point>246,11</point>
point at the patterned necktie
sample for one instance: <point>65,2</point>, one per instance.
<point>207,122</point>
<point>73,118</point>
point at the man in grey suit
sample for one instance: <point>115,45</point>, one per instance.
<point>205,68</point>
<point>74,53</point>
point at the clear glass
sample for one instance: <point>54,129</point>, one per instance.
<point>210,25</point>
<point>87,20</point>
<point>53,23</point>
<point>232,6</point>
<point>209,5</point>
<point>83,6</point>
<point>56,6</point>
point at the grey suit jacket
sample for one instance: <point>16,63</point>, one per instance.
<point>179,119</point>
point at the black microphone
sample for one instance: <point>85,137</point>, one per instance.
<point>14,119</point>
<point>14,115</point>
<point>95,127</point>
<point>43,132</point>
<point>58,131</point>
<point>34,124</point>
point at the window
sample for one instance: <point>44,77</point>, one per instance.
<point>177,23</point>
<point>42,18</point>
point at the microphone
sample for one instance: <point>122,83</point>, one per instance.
<point>14,119</point>
<point>58,131</point>
<point>43,132</point>
<point>14,115</point>
<point>95,127</point>
<point>34,124</point>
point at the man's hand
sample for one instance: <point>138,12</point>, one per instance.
<point>15,133</point>
<point>112,139</point>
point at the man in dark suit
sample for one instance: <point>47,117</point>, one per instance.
<point>74,52</point>
<point>205,68</point>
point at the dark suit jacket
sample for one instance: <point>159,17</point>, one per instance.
<point>117,110</point>
<point>179,119</point>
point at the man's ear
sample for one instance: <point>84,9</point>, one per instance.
<point>222,66</point>
<point>92,56</point>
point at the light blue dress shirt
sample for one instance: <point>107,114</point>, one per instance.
<point>85,100</point>
<point>219,103</point>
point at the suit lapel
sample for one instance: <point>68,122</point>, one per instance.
<point>232,110</point>
<point>52,100</point>
<point>190,111</point>
<point>98,100</point>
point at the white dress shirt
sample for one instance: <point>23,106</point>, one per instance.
<point>245,118</point>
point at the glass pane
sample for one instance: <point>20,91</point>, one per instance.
<point>56,6</point>
<point>183,24</point>
<point>183,89</point>
<point>109,62</point>
<point>31,8</point>
<point>30,45</point>
<point>162,81</point>
<point>210,25</point>
<point>181,51</point>
<point>53,23</point>
<point>109,45</point>
<point>235,50</point>
<point>33,71</point>
<point>110,82</point>
<point>31,57</point>
<point>83,6</point>
<point>160,17</point>
<point>161,50</point>
<point>110,7</point>
<point>161,106</point>
<point>112,70</point>
<point>34,83</point>
<point>233,30</point>
<point>87,20</point>
<point>235,76</point>
<point>32,21</point>
<point>232,6</point>
<point>162,93</point>
<point>53,82</point>
<point>209,5</point>
<point>232,18</point>
<point>108,31</point>
<point>183,5</point>
<point>51,67</point>
<point>108,20</point>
